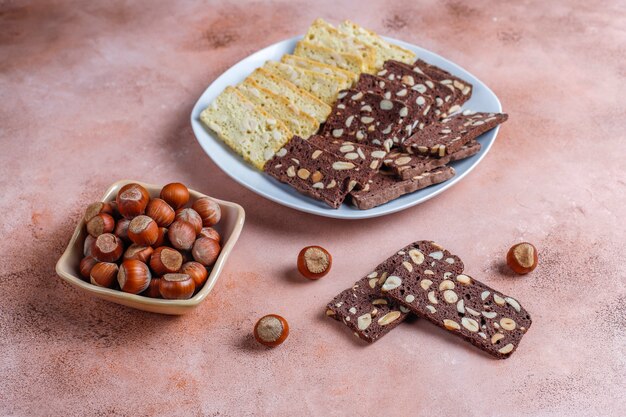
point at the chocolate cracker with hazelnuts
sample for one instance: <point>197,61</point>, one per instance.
<point>482,316</point>
<point>365,310</point>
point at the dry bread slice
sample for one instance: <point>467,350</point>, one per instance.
<point>245,128</point>
<point>311,65</point>
<point>322,86</point>
<point>280,108</point>
<point>348,62</point>
<point>384,50</point>
<point>324,34</point>
<point>303,100</point>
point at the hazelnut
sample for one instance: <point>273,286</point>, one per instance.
<point>96,208</point>
<point>161,238</point>
<point>153,289</point>
<point>107,248</point>
<point>121,229</point>
<point>161,212</point>
<point>522,258</point>
<point>314,262</point>
<point>176,286</point>
<point>138,252</point>
<point>196,271</point>
<point>271,330</point>
<point>100,223</point>
<point>134,276</point>
<point>86,264</point>
<point>103,274</point>
<point>88,245</point>
<point>181,235</point>
<point>190,216</point>
<point>165,260</point>
<point>132,200</point>
<point>175,194</point>
<point>209,210</point>
<point>210,233</point>
<point>142,230</point>
<point>206,251</point>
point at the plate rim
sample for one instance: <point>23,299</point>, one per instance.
<point>330,212</point>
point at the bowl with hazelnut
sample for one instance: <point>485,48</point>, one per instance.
<point>137,243</point>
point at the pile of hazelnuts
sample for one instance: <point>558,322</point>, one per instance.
<point>155,247</point>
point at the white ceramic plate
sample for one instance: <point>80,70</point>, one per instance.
<point>483,99</point>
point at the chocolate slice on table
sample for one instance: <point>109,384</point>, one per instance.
<point>365,118</point>
<point>488,319</point>
<point>365,311</point>
<point>406,166</point>
<point>463,88</point>
<point>443,95</point>
<point>384,186</point>
<point>315,172</point>
<point>450,134</point>
<point>419,104</point>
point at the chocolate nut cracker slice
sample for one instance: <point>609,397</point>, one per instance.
<point>365,311</point>
<point>452,133</point>
<point>484,317</point>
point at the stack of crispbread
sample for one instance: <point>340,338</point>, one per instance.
<point>356,95</point>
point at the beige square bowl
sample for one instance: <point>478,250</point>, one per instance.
<point>229,227</point>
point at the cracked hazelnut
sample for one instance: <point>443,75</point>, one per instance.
<point>522,258</point>
<point>314,262</point>
<point>271,330</point>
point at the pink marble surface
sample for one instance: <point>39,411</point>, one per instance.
<point>91,92</point>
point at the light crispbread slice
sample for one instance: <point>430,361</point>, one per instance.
<point>280,108</point>
<point>300,98</point>
<point>306,63</point>
<point>349,62</point>
<point>322,86</point>
<point>384,50</point>
<point>323,33</point>
<point>245,128</point>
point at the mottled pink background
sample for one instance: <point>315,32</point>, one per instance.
<point>92,92</point>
